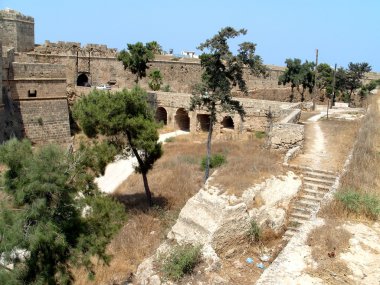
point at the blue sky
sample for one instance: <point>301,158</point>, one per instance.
<point>342,30</point>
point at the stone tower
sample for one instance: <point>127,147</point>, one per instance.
<point>16,30</point>
<point>33,102</point>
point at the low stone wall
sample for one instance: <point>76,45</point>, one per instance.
<point>285,136</point>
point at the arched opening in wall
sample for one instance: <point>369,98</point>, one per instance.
<point>182,119</point>
<point>203,122</point>
<point>228,123</point>
<point>82,80</point>
<point>161,115</point>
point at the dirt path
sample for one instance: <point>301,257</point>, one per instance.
<point>327,142</point>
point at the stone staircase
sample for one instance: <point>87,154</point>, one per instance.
<point>316,183</point>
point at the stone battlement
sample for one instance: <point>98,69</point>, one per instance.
<point>71,48</point>
<point>12,15</point>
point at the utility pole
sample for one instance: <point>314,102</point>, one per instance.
<point>333,91</point>
<point>315,79</point>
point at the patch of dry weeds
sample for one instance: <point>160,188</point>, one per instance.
<point>327,242</point>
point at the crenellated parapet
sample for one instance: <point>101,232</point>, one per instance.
<point>74,49</point>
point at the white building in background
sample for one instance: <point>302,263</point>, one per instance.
<point>189,54</point>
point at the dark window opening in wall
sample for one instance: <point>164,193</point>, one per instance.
<point>182,119</point>
<point>161,115</point>
<point>203,121</point>
<point>32,93</point>
<point>82,80</point>
<point>228,123</point>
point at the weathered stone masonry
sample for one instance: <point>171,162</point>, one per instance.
<point>33,95</point>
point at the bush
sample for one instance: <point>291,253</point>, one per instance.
<point>216,160</point>
<point>181,260</point>
<point>260,134</point>
<point>353,201</point>
<point>169,140</point>
<point>166,88</point>
<point>254,232</point>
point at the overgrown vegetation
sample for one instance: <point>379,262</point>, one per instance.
<point>260,134</point>
<point>254,232</point>
<point>54,217</point>
<point>359,193</point>
<point>353,201</point>
<point>180,261</point>
<point>216,160</point>
<point>155,80</point>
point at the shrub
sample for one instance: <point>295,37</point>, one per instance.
<point>169,140</point>
<point>181,260</point>
<point>359,203</point>
<point>166,88</point>
<point>260,134</point>
<point>254,232</point>
<point>216,160</point>
<point>155,80</point>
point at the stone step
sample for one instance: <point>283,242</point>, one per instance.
<point>302,210</point>
<point>305,168</point>
<point>292,229</point>
<point>295,222</point>
<point>314,186</point>
<point>318,181</point>
<point>306,203</point>
<point>311,198</point>
<point>312,192</point>
<point>330,177</point>
<point>300,216</point>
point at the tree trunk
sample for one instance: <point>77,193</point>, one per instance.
<point>143,172</point>
<point>208,157</point>
<point>147,190</point>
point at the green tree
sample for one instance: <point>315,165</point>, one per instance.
<point>125,114</point>
<point>299,75</point>
<point>222,70</point>
<point>54,218</point>
<point>355,75</point>
<point>136,58</point>
<point>367,88</point>
<point>155,81</point>
<point>325,78</point>
<point>155,47</point>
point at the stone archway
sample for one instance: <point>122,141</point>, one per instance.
<point>203,121</point>
<point>182,119</point>
<point>228,123</point>
<point>82,80</point>
<point>161,115</point>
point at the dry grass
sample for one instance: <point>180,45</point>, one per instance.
<point>360,185</point>
<point>327,242</point>
<point>174,179</point>
<point>247,164</point>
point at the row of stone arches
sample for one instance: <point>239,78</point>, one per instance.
<point>182,119</point>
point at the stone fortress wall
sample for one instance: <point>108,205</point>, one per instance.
<point>97,64</point>
<point>16,30</point>
<point>34,100</point>
<point>37,80</point>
